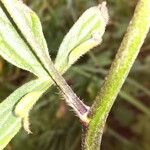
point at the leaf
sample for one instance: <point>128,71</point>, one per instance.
<point>9,122</point>
<point>85,34</point>
<point>30,27</point>
<point>14,49</point>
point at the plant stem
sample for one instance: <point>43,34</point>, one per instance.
<point>127,53</point>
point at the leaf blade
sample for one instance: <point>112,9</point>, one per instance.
<point>85,34</point>
<point>10,124</point>
<point>15,50</point>
<point>24,23</point>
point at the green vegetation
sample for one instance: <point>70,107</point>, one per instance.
<point>52,125</point>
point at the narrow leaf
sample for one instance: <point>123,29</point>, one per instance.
<point>85,34</point>
<point>9,122</point>
<point>15,50</point>
<point>30,27</point>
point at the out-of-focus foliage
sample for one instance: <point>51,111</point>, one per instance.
<point>53,126</point>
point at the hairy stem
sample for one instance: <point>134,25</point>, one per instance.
<point>127,53</point>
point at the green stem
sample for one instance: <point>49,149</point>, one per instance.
<point>127,53</point>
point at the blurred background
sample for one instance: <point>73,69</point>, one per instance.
<point>54,126</point>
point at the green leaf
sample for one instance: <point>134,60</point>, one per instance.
<point>30,27</point>
<point>9,122</point>
<point>14,49</point>
<point>85,34</point>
